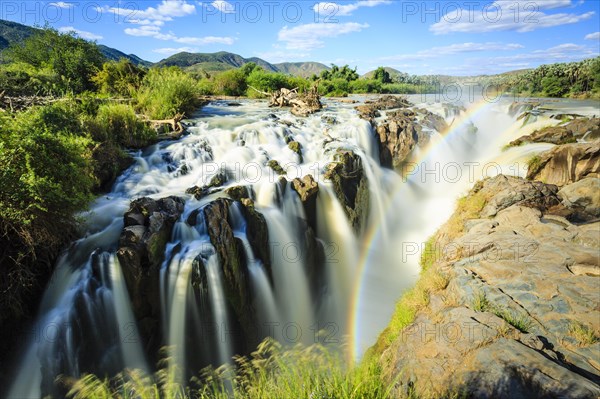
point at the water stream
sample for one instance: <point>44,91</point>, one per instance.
<point>86,320</point>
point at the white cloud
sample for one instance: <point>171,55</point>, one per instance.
<point>165,11</point>
<point>452,49</point>
<point>223,6</point>
<point>331,10</point>
<point>172,50</point>
<point>154,32</point>
<point>310,36</point>
<point>62,4</point>
<point>593,36</point>
<point>507,15</point>
<point>81,33</point>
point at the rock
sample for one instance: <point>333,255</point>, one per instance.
<point>213,185</point>
<point>232,257</point>
<point>584,195</point>
<point>273,164</point>
<point>297,148</point>
<point>370,109</point>
<point>564,133</point>
<point>519,279</point>
<point>329,119</point>
<point>397,138</point>
<point>350,186</point>
<point>148,227</point>
<point>308,189</point>
<point>239,192</point>
<point>566,164</point>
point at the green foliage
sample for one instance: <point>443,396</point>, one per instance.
<point>583,334</point>
<point>272,371</point>
<point>556,80</point>
<point>120,78</point>
<point>266,81</point>
<point>73,59</point>
<point>166,92</point>
<point>336,72</point>
<point>118,123</point>
<point>21,79</point>
<point>382,75</point>
<point>365,86</point>
<point>231,83</point>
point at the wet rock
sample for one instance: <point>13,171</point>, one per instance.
<point>239,192</point>
<point>232,258</point>
<point>273,164</point>
<point>564,133</point>
<point>370,109</point>
<point>566,164</point>
<point>308,189</point>
<point>329,119</point>
<point>297,148</point>
<point>148,227</point>
<point>350,186</point>
<point>213,185</point>
<point>397,138</point>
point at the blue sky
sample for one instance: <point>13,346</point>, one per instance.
<point>421,37</point>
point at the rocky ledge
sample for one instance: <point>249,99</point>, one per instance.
<point>401,130</point>
<point>507,304</point>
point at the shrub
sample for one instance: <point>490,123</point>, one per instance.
<point>166,92</point>
<point>266,81</point>
<point>118,123</point>
<point>231,83</point>
<point>119,78</point>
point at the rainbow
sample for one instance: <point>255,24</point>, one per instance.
<point>374,232</point>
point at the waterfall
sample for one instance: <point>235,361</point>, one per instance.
<point>87,307</point>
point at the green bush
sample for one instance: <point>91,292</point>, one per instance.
<point>21,79</point>
<point>266,81</point>
<point>364,86</point>
<point>74,60</point>
<point>118,123</point>
<point>119,78</point>
<point>231,83</point>
<point>166,92</point>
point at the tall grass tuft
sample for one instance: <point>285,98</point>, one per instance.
<point>166,92</point>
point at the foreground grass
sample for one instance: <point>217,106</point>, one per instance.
<point>272,371</point>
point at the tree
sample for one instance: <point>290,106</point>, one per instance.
<point>75,60</point>
<point>382,75</point>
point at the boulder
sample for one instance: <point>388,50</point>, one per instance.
<point>147,230</point>
<point>566,164</point>
<point>583,195</point>
<point>350,186</point>
<point>397,138</point>
<point>308,189</point>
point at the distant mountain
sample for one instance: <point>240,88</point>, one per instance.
<point>13,32</point>
<point>223,60</point>
<point>213,61</point>
<point>115,55</point>
<point>304,69</point>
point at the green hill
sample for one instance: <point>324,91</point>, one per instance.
<point>13,32</point>
<point>304,69</point>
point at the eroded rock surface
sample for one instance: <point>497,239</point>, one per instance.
<point>566,164</point>
<point>522,286</point>
<point>148,227</point>
<point>588,128</point>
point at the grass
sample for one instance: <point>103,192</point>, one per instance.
<point>583,334</point>
<point>534,163</point>
<point>518,320</point>
<point>272,371</point>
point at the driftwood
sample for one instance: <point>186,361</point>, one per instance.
<point>302,104</point>
<point>20,103</point>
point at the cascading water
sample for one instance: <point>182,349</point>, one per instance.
<point>351,291</point>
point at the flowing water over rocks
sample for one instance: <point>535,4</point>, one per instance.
<point>261,223</point>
